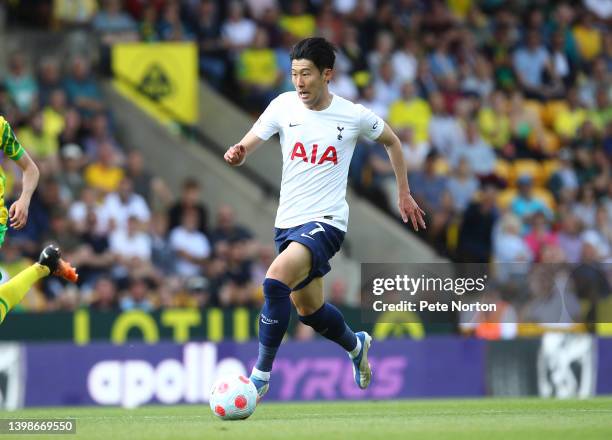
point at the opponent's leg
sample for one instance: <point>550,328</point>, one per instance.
<point>285,272</point>
<point>328,321</point>
<point>13,291</point>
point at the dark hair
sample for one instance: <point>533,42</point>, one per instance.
<point>316,49</point>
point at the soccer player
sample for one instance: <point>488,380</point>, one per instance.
<point>318,132</point>
<point>13,291</point>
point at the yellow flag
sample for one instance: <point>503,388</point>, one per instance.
<point>162,78</point>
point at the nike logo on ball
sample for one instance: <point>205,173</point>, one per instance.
<point>293,125</point>
<point>374,126</point>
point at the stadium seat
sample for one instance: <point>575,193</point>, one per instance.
<point>531,168</point>
<point>550,142</point>
<point>549,167</point>
<point>504,170</point>
<point>534,107</point>
<point>545,196</point>
<point>504,198</point>
<point>551,110</point>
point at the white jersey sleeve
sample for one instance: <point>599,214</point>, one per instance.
<point>268,123</point>
<point>371,126</point>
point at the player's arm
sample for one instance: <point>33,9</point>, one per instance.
<point>237,154</point>
<point>409,209</point>
<point>18,212</point>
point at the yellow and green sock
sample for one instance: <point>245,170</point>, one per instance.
<point>13,291</point>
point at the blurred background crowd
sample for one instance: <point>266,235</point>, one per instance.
<point>503,109</point>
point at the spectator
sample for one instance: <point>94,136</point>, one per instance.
<point>462,185</point>
<point>540,235</point>
<point>71,179</point>
<point>42,145</point>
<point>122,205</point>
<point>49,78</point>
<point>298,21</point>
<point>568,120</point>
<point>213,62</point>
<point>103,174</point>
<point>445,130</point>
<point>476,151</point>
<point>414,153</point>
<point>510,252</point>
<point>564,181</point>
<point>524,205</point>
<point>82,89</point>
<point>238,32</point>
<point>152,188</point>
<point>258,72</point>
<point>100,133</point>
<point>588,37</point>
<point>136,297</point>
<point>404,60</point>
<point>411,111</point>
<point>163,257</point>
<point>569,238</point>
<point>190,245</point>
<point>531,63</point>
<point>20,84</point>
<point>170,27</point>
<point>53,114</point>
<point>227,230</point>
<point>494,123</point>
<point>104,296</point>
<point>190,199</point>
<point>386,87</point>
<point>113,25</point>
<point>132,248</point>
<point>586,206</point>
<point>476,229</point>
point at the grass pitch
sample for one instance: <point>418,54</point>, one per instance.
<point>497,419</point>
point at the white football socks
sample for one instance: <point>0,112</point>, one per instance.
<point>353,354</point>
<point>261,375</point>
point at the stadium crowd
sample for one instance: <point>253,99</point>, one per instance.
<point>503,109</point>
<point>135,244</point>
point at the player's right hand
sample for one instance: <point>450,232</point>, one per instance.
<point>235,155</point>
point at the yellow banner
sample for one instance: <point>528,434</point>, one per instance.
<point>162,78</point>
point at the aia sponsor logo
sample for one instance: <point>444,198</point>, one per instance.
<point>329,155</point>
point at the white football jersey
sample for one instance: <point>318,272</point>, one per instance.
<point>317,149</point>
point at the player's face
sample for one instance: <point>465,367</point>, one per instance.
<point>309,82</point>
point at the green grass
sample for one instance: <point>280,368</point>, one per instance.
<point>496,419</point>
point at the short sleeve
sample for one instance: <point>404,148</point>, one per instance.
<point>268,123</point>
<point>10,145</point>
<point>371,126</point>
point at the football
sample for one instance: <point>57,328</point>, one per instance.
<point>233,397</point>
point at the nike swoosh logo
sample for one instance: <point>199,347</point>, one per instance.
<point>293,125</point>
<point>374,126</point>
<point>307,236</point>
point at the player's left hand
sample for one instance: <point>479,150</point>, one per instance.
<point>409,209</point>
<point>18,214</point>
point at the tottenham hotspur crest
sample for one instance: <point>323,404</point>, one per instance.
<point>340,132</point>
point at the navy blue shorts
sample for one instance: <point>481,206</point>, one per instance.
<point>322,239</point>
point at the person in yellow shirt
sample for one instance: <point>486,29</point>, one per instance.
<point>411,111</point>
<point>588,38</point>
<point>493,121</point>
<point>298,22</point>
<point>103,174</point>
<point>258,70</point>
<point>13,291</point>
<point>567,121</point>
